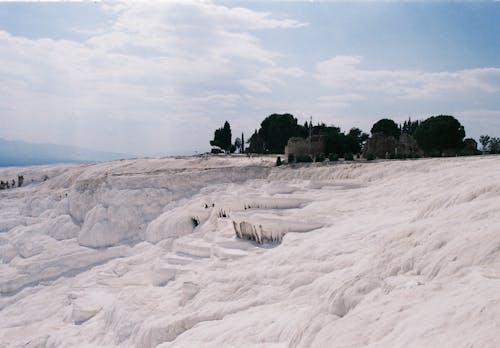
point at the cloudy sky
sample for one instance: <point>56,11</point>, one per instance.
<point>159,77</point>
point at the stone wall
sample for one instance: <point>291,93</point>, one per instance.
<point>382,146</point>
<point>300,146</point>
<point>408,145</point>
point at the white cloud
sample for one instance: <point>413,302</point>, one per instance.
<point>160,66</point>
<point>339,101</point>
<point>480,121</point>
<point>172,14</point>
<point>343,72</point>
<point>164,75</point>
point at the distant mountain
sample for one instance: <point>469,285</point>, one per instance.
<point>20,153</point>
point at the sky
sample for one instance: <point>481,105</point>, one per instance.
<point>157,78</point>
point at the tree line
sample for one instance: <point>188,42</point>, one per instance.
<point>490,144</point>
<point>275,131</point>
<point>435,135</point>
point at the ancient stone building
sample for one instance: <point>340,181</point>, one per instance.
<point>300,146</point>
<point>382,146</point>
<point>408,145</point>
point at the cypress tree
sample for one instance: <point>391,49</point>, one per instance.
<point>222,137</point>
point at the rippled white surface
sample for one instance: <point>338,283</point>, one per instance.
<point>389,254</point>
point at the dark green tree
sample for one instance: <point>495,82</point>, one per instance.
<point>226,136</point>
<point>319,129</point>
<point>339,143</point>
<point>217,138</point>
<point>255,143</point>
<point>494,145</point>
<point>439,133</point>
<point>354,140</point>
<point>484,140</point>
<point>387,127</point>
<point>275,131</point>
<point>335,141</point>
<point>409,127</point>
<point>302,131</point>
<point>222,137</point>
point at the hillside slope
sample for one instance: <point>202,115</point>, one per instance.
<point>142,253</point>
<point>20,153</point>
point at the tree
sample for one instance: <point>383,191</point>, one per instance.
<point>484,140</point>
<point>409,127</point>
<point>222,137</point>
<point>469,147</point>
<point>217,138</point>
<point>490,144</point>
<point>275,131</point>
<point>242,143</point>
<point>255,143</point>
<point>439,133</point>
<point>319,129</point>
<point>303,131</point>
<point>387,127</point>
<point>494,145</point>
<point>335,141</point>
<point>354,140</point>
<point>226,136</point>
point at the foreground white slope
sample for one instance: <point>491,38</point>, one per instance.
<point>389,254</point>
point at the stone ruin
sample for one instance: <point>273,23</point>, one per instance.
<point>383,146</point>
<point>299,146</point>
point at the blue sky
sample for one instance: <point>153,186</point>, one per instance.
<point>159,77</point>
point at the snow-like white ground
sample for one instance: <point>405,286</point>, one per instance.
<point>389,254</point>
